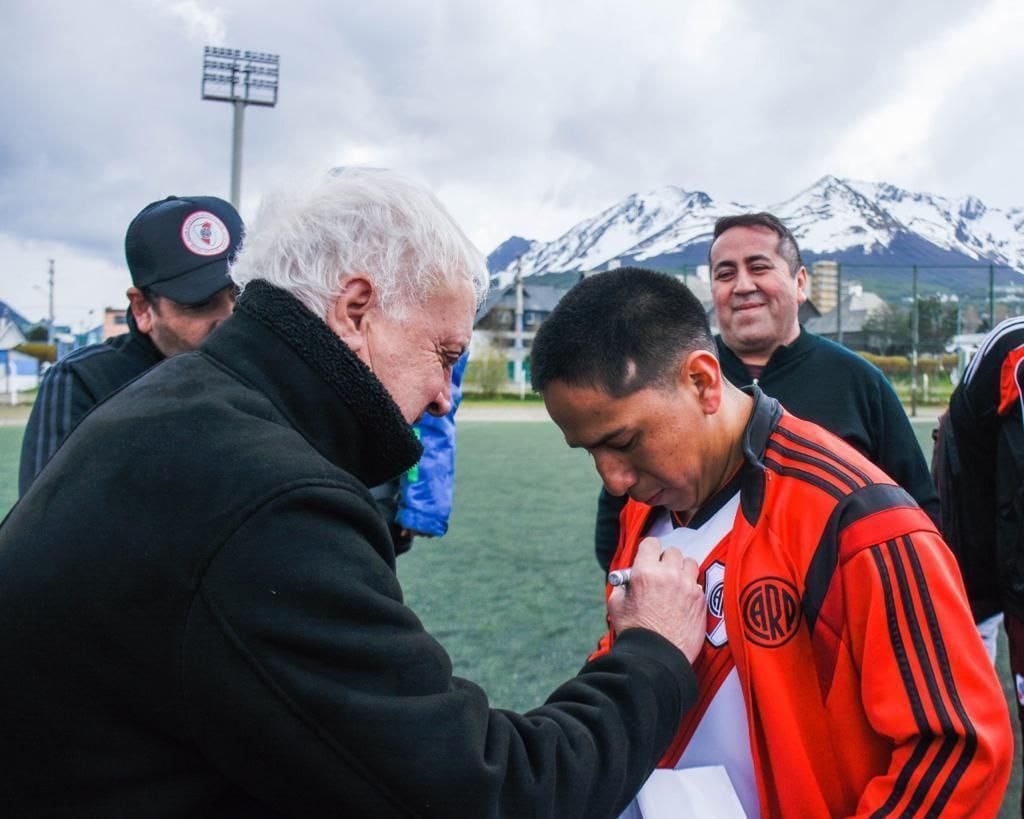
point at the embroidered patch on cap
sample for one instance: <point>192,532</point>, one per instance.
<point>204,234</point>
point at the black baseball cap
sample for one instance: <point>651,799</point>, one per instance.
<point>180,247</point>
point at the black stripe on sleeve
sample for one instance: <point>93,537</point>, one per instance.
<point>40,422</point>
<point>48,416</point>
<point>942,658</point>
<point>807,477</point>
<point>949,734</point>
<point>61,397</point>
<point>64,428</point>
<point>821,450</point>
<point>913,695</point>
<point>823,465</point>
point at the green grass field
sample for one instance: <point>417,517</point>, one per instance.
<point>513,591</point>
<point>10,449</point>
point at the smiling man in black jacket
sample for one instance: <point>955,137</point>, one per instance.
<point>199,613</point>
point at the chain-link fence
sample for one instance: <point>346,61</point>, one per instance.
<point>930,315</point>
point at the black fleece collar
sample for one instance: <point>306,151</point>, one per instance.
<point>737,371</point>
<point>327,392</point>
<point>786,353</point>
<point>763,421</point>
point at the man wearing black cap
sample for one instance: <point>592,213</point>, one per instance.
<point>178,251</point>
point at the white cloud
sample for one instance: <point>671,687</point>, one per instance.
<point>203,23</point>
<point>524,115</point>
<point>894,138</point>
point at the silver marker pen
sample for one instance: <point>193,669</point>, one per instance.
<point>620,577</point>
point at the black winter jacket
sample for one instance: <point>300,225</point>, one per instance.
<point>76,384</point>
<point>983,507</point>
<point>199,615</point>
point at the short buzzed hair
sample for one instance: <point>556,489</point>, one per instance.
<point>787,247</point>
<point>620,332</point>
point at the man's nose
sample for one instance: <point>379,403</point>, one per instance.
<point>617,475</point>
<point>441,405</point>
<point>744,282</point>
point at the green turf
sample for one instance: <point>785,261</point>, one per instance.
<point>10,449</point>
<point>513,591</point>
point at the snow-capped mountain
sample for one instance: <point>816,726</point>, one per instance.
<point>842,219</point>
<point>507,252</point>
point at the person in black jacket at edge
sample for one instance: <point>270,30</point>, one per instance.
<point>758,282</point>
<point>199,613</point>
<point>979,462</point>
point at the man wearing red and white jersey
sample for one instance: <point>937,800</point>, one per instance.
<point>841,673</point>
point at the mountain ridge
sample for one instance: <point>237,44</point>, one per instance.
<point>858,223</point>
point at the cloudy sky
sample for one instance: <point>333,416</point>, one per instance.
<point>525,116</point>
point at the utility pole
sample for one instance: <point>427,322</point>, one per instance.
<point>49,325</point>
<point>241,78</point>
<point>991,296</point>
<point>517,371</point>
<point>915,328</point>
<point>839,302</point>
<point>237,126</point>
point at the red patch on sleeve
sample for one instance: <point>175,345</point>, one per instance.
<point>1011,381</point>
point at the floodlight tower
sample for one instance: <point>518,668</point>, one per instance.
<point>49,325</point>
<point>241,78</point>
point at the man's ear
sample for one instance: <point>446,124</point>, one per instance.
<point>142,309</point>
<point>801,285</point>
<point>701,373</point>
<point>346,315</point>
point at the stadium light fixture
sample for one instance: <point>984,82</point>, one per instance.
<point>241,78</point>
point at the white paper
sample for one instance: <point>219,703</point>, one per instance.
<point>706,793</point>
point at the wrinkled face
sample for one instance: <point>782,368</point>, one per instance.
<point>658,445</point>
<point>755,294</point>
<point>180,328</point>
<point>413,357</point>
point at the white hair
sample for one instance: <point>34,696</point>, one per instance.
<point>359,222</point>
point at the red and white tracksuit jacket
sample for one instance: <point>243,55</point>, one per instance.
<point>867,689</point>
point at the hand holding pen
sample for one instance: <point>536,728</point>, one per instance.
<point>660,592</point>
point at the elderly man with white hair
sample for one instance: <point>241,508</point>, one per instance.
<point>199,613</point>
